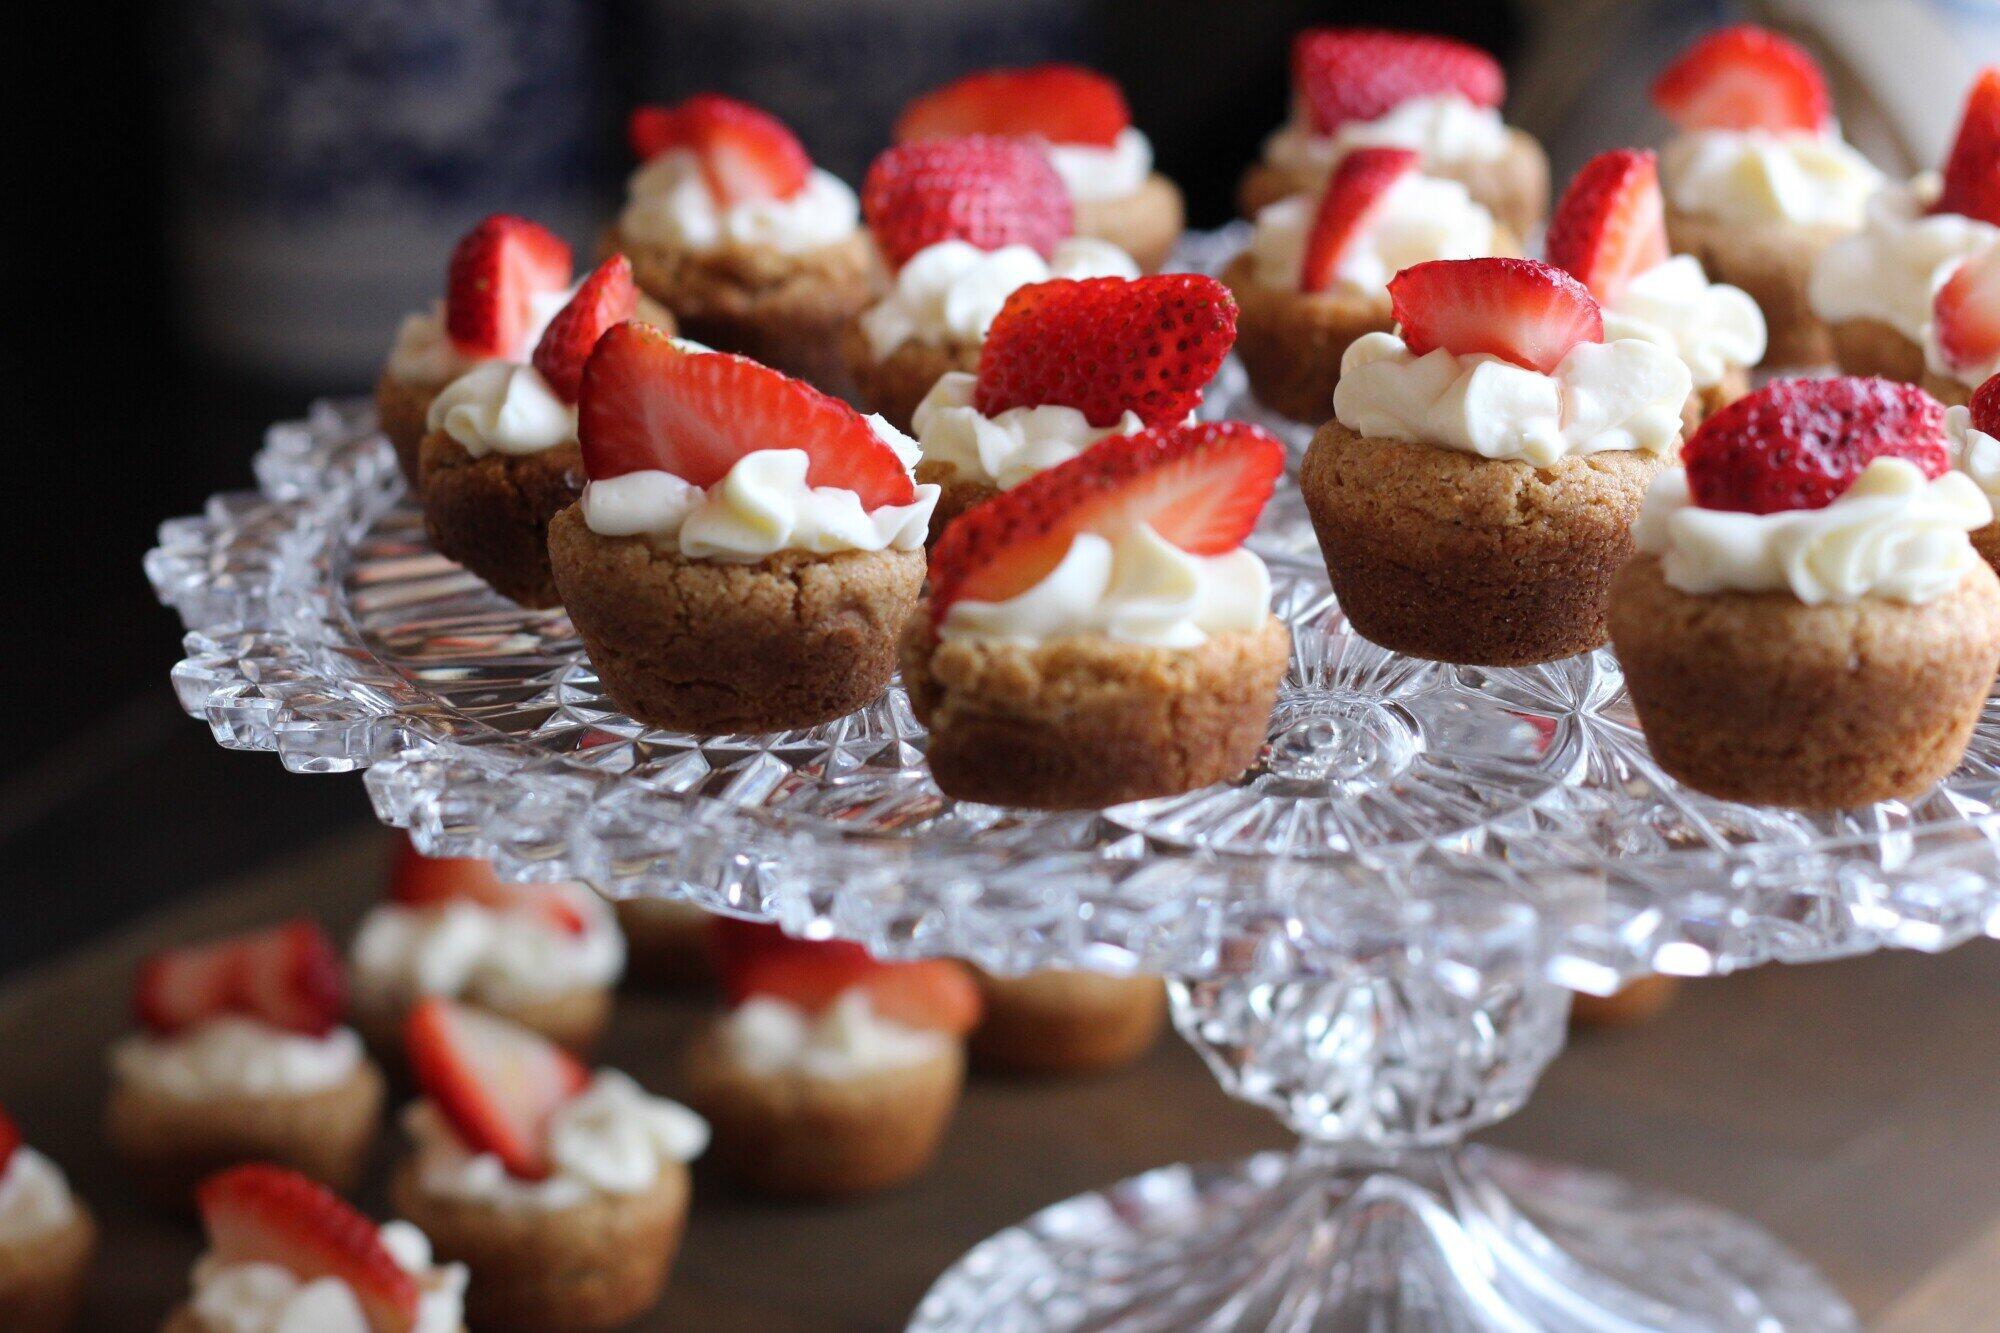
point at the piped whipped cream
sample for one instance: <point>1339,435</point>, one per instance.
<point>1603,396</point>
<point>1973,451</point>
<point>766,1035</point>
<point>1750,176</point>
<point>1139,589</point>
<point>948,293</point>
<point>236,1057</point>
<point>1006,449</point>
<point>34,1198</point>
<point>1421,218</point>
<point>1891,269</point>
<point>424,353</point>
<point>268,1298</point>
<point>1448,128</point>
<point>668,203</point>
<point>503,407</point>
<point>1093,172</point>
<point>464,950</point>
<point>614,1137</point>
<point>1893,534</point>
<point>1712,327</point>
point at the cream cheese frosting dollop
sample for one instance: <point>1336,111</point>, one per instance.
<point>1602,396</point>
<point>1007,448</point>
<point>269,1298</point>
<point>1093,172</point>
<point>1421,218</point>
<point>1893,534</point>
<point>1712,327</point>
<point>1751,176</point>
<point>465,950</point>
<point>1973,451</point>
<point>34,1197</point>
<point>1446,128</point>
<point>1890,269</point>
<point>766,1035</point>
<point>668,203</point>
<point>424,353</point>
<point>236,1057</point>
<point>503,407</point>
<point>1138,588</point>
<point>949,292</point>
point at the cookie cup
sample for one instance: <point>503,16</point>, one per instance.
<point>800,1135</point>
<point>42,1277</point>
<point>593,1265</point>
<point>894,385</point>
<point>1513,187</point>
<point>1952,393</point>
<point>402,414</point>
<point>1145,224</point>
<point>1486,562</point>
<point>1773,262</point>
<point>573,1019</point>
<point>1871,347</point>
<point>1081,722</point>
<point>713,648</point>
<point>1057,1022</point>
<point>956,494</point>
<point>491,514</point>
<point>1760,698</point>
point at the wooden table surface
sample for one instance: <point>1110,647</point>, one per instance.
<point>1852,1108</point>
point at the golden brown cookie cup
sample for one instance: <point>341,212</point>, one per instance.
<point>1056,1023</point>
<point>1488,562</point>
<point>1760,698</point>
<point>956,494</point>
<point>1513,187</point>
<point>402,412</point>
<point>1082,722</point>
<point>895,385</point>
<point>1952,393</point>
<point>491,514</point>
<point>714,648</point>
<point>1773,262</point>
<point>42,1277</point>
<point>1145,224</point>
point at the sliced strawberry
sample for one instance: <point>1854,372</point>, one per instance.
<point>495,269</point>
<point>738,945</point>
<point>1200,487</point>
<point>649,405</point>
<point>936,994</point>
<point>1354,196</point>
<point>1800,443</point>
<point>1344,74</point>
<point>1059,103</point>
<point>1966,312</point>
<point>417,880</point>
<point>1985,406</point>
<point>496,1082</point>
<point>175,989</point>
<point>1611,225</point>
<point>1744,78</point>
<point>291,977</point>
<point>1108,345</point>
<point>267,1215</point>
<point>981,189</point>
<point>10,1141</point>
<point>608,296</point>
<point>1520,310</point>
<point>1972,171</point>
<point>745,154</point>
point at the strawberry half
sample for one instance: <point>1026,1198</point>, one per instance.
<point>982,189</point>
<point>1744,78</point>
<point>417,880</point>
<point>1344,74</point>
<point>1520,310</point>
<point>1200,487</point>
<point>288,976</point>
<point>10,1141</point>
<point>496,1082</point>
<point>1354,196</point>
<point>495,268</point>
<point>1972,171</point>
<point>737,944</point>
<point>745,153</point>
<point>1800,443</point>
<point>1059,103</point>
<point>1106,345</point>
<point>936,994</point>
<point>267,1215</point>
<point>649,405</point>
<point>1985,406</point>
<point>1611,224</point>
<point>1966,312</point>
<point>608,296</point>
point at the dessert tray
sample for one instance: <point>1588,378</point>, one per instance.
<point>1371,933</point>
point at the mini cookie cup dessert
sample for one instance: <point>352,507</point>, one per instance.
<point>1475,491</point>
<point>747,547</point>
<point>1059,1023</point>
<point>242,1057</point>
<point>47,1240</point>
<point>563,1192</point>
<point>1098,634</point>
<point>1806,624</point>
<point>1315,275</point>
<point>729,225</point>
<point>1366,88</point>
<point>1758,181</point>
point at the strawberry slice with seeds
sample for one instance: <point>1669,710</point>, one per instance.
<point>288,976</point>
<point>982,189</point>
<point>495,269</point>
<point>417,880</point>
<point>1985,406</point>
<point>175,989</point>
<point>10,1141</point>
<point>1520,310</point>
<point>1106,345</point>
<point>1800,443</point>
<point>264,1214</point>
<point>1744,78</point>
<point>649,405</point>
<point>608,296</point>
<point>1344,74</point>
<point>1354,196</point>
<point>1200,487</point>
<point>1972,171</point>
<point>1059,103</point>
<point>1966,312</point>
<point>745,153</point>
<point>495,1082</point>
<point>935,994</point>
<point>1611,225</point>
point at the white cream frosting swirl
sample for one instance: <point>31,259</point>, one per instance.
<point>949,292</point>
<point>1603,396</point>
<point>502,407</point>
<point>1750,176</point>
<point>1006,449</point>
<point>1973,451</point>
<point>424,353</point>
<point>1891,269</point>
<point>1093,172</point>
<point>1421,218</point>
<point>464,950</point>
<point>1893,534</point>
<point>668,203</point>
<point>1713,327</point>
<point>1139,589</point>
<point>1445,129</point>
<point>34,1198</point>
<point>236,1057</point>
<point>268,1298</point>
<point>848,1039</point>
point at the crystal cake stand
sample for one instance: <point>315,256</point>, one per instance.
<point>1370,934</point>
